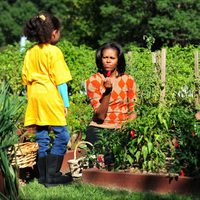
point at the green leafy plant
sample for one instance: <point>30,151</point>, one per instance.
<point>79,116</point>
<point>141,144</point>
<point>185,137</point>
<point>9,114</point>
<point>10,68</point>
<point>157,141</point>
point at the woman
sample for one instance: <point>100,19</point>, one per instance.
<point>112,92</point>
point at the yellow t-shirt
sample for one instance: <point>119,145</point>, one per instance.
<point>44,68</point>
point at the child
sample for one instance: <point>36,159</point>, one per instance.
<point>112,92</point>
<point>45,74</point>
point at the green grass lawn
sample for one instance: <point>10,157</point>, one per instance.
<point>82,191</point>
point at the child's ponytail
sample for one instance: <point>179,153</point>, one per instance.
<point>40,27</point>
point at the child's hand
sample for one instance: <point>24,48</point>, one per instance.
<point>66,112</point>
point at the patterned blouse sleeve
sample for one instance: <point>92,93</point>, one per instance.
<point>132,95</point>
<point>93,91</point>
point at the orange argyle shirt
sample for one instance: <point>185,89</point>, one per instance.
<point>122,100</point>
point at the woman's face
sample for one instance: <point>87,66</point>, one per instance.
<point>109,59</point>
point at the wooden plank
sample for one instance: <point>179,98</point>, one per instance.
<point>163,74</point>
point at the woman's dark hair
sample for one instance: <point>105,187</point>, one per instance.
<point>121,59</point>
<point>40,27</point>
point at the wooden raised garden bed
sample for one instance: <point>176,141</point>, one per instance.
<point>142,182</point>
<point>1,183</point>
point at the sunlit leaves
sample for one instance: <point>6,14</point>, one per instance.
<point>9,114</point>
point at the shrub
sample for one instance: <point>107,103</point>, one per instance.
<point>9,114</point>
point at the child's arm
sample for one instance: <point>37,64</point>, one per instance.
<point>63,90</point>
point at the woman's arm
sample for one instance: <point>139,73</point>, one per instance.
<point>99,102</point>
<point>102,110</point>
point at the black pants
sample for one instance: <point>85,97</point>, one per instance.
<point>92,134</point>
<point>92,137</point>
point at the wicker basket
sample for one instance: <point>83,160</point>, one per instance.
<point>76,165</point>
<point>24,154</point>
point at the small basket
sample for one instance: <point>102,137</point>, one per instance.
<point>24,154</point>
<point>76,165</point>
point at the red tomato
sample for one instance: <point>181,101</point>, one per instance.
<point>108,73</point>
<point>132,133</point>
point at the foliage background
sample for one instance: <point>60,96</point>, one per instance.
<point>93,22</point>
<point>81,61</point>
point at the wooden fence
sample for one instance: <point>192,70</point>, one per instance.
<point>159,61</point>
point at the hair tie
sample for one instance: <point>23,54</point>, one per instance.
<point>42,17</point>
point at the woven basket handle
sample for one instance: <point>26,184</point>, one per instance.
<point>79,143</point>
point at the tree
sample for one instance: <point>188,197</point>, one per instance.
<point>175,22</point>
<point>13,14</point>
<point>93,22</point>
<point>81,22</point>
<point>123,20</point>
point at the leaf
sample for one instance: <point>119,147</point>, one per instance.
<point>150,165</point>
<point>145,129</point>
<point>144,152</point>
<point>150,146</point>
<point>165,123</point>
<point>130,159</point>
<point>10,112</point>
<point>137,155</point>
<point>131,150</point>
<point>139,139</point>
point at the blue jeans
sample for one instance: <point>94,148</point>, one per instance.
<point>59,143</point>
